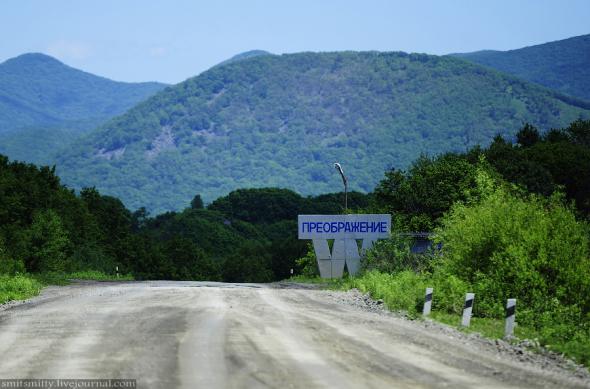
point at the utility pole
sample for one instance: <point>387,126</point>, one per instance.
<point>345,182</point>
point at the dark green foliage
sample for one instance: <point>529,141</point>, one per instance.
<point>562,65</point>
<point>541,164</point>
<point>333,203</point>
<point>273,213</point>
<point>527,136</point>
<point>47,243</point>
<point>197,202</point>
<point>250,263</point>
<point>560,157</point>
<point>283,120</point>
<point>419,197</point>
<point>44,225</point>
<point>260,205</point>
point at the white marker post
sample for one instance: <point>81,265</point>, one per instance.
<point>427,302</point>
<point>345,230</point>
<point>510,318</point>
<point>469,297</point>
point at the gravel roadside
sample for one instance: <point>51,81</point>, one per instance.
<point>523,351</point>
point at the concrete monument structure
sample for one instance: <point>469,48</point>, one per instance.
<point>347,231</point>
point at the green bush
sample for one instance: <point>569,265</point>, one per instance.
<point>307,265</point>
<point>394,255</point>
<point>512,245</point>
<point>449,292</point>
<point>7,264</point>
<point>18,287</point>
<point>401,291</point>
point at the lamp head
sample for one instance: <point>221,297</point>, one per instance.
<point>339,168</point>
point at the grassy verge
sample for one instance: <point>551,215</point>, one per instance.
<point>332,283</point>
<point>24,286</point>
<point>98,276</point>
<point>404,291</point>
<point>19,287</point>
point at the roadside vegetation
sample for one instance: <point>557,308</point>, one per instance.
<point>25,286</point>
<point>511,221</point>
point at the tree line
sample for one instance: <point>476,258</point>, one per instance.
<point>250,234</point>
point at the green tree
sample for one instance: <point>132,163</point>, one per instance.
<point>250,263</point>
<point>579,131</point>
<point>264,205</point>
<point>528,135</point>
<point>421,196</point>
<point>197,202</point>
<point>48,243</point>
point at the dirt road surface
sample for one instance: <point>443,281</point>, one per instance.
<point>213,335</point>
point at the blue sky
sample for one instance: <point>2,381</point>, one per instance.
<point>169,41</point>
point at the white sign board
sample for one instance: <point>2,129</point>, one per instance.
<point>345,230</point>
<point>361,226</point>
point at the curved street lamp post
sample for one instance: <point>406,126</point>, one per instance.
<point>345,182</point>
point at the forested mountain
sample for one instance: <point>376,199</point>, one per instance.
<point>44,104</point>
<point>283,120</point>
<point>561,65</point>
<point>36,89</point>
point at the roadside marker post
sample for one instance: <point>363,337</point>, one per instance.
<point>510,318</point>
<point>469,297</point>
<point>427,302</point>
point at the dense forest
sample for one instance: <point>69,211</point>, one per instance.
<point>282,120</point>
<point>250,234</point>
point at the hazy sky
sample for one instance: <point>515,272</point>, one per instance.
<point>172,40</point>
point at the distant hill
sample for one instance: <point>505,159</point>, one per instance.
<point>38,90</point>
<point>44,105</point>
<point>283,120</point>
<point>561,65</point>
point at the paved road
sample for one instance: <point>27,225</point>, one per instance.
<point>208,335</point>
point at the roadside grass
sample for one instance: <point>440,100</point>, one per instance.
<point>19,287</point>
<point>488,327</point>
<point>404,292</point>
<point>332,283</point>
<point>25,286</point>
<point>98,276</point>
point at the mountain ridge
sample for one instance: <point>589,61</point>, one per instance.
<point>45,104</point>
<point>282,120</point>
<point>562,65</point>
<point>37,89</point>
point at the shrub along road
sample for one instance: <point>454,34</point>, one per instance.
<point>214,335</point>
